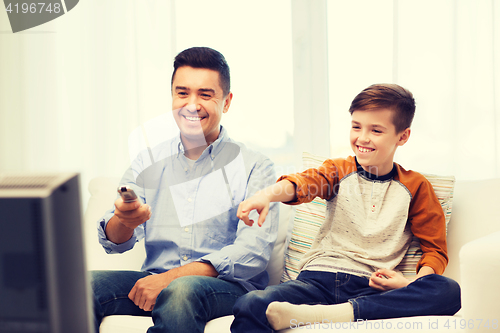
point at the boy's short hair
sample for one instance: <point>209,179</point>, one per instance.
<point>205,57</point>
<point>387,96</point>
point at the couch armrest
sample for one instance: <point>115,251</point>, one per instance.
<point>480,270</point>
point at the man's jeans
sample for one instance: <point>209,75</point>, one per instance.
<point>186,305</point>
<point>428,295</point>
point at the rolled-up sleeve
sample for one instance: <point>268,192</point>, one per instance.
<point>315,182</point>
<point>108,245</point>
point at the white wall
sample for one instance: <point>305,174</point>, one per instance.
<point>72,90</point>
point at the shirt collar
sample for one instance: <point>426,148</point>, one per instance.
<point>212,150</point>
<point>371,176</point>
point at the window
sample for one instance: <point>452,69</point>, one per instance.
<point>255,38</point>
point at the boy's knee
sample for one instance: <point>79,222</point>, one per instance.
<point>449,290</point>
<point>454,291</point>
<point>252,300</point>
<point>442,287</point>
<point>445,284</point>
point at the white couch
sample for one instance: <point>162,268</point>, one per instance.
<point>473,245</point>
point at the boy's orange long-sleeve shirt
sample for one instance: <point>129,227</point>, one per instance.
<point>370,220</point>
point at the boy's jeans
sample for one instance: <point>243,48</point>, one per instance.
<point>186,305</point>
<point>428,295</point>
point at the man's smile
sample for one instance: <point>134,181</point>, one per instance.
<point>193,118</point>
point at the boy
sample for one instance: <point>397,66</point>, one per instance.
<point>374,206</point>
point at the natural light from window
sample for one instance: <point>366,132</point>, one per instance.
<point>255,38</point>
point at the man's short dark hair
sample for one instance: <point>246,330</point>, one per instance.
<point>387,96</point>
<point>205,57</point>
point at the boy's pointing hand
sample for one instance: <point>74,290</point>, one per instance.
<point>259,202</point>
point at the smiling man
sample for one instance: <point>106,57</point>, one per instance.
<point>199,256</point>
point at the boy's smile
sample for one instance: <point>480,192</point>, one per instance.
<point>374,139</point>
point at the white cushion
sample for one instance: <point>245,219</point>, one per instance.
<point>473,217</point>
<point>480,266</point>
<point>423,324</point>
<point>134,324</point>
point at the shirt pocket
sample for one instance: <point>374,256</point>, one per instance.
<point>220,229</point>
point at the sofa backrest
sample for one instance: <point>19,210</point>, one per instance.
<point>472,218</point>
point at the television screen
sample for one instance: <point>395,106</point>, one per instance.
<point>43,277</point>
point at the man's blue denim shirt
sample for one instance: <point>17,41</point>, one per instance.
<point>194,210</point>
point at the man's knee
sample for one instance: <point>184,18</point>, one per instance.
<point>182,290</point>
<point>99,281</point>
<point>112,284</point>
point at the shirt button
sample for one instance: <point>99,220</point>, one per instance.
<point>185,258</point>
<point>190,200</point>
<point>186,169</point>
<point>186,229</point>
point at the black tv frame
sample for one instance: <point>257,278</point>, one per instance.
<point>44,284</point>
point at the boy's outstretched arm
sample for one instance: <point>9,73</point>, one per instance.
<point>282,191</point>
